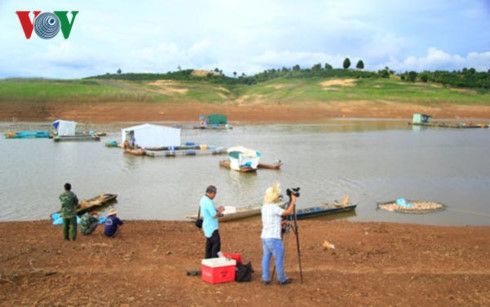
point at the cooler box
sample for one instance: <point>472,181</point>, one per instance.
<point>234,256</point>
<point>218,270</point>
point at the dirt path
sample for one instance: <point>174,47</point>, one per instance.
<point>302,112</point>
<point>373,264</point>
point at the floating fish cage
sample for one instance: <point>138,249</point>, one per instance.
<point>411,206</point>
<point>208,150</point>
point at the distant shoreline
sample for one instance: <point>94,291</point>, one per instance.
<point>106,112</point>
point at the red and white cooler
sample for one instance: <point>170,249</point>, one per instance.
<point>218,270</point>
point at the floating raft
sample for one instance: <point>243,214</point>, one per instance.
<point>239,213</point>
<point>76,137</point>
<point>449,125</point>
<point>413,206</point>
<point>26,134</point>
<point>325,209</point>
<point>187,152</point>
<point>274,166</point>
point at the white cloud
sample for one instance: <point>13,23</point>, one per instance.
<point>437,59</point>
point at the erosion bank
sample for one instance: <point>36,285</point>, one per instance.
<point>373,264</point>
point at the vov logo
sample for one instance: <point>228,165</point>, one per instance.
<point>46,24</point>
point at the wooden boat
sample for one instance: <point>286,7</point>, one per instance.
<point>325,209</point>
<point>76,137</point>
<point>243,169</point>
<point>135,152</point>
<point>274,166</point>
<point>412,206</point>
<point>93,203</point>
<point>449,125</point>
<point>241,213</point>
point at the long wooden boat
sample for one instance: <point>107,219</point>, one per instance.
<point>241,213</point>
<point>77,137</point>
<point>324,210</point>
<point>449,125</point>
<point>274,166</point>
<point>96,202</point>
<point>243,169</point>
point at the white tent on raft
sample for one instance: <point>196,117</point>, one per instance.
<point>65,127</point>
<point>148,135</point>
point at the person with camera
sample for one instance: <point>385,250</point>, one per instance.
<point>272,245</point>
<point>210,224</point>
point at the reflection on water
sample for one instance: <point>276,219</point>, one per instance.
<point>369,160</point>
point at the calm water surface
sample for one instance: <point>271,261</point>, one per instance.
<point>369,160</point>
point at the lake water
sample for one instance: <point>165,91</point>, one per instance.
<point>371,161</point>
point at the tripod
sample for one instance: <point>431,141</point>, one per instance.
<point>294,227</point>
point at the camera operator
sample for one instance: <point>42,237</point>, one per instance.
<point>271,233</point>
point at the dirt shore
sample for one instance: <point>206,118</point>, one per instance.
<point>300,112</point>
<point>373,264</point>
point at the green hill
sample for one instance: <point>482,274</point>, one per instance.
<point>284,90</point>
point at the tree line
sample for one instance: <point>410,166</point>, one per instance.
<point>468,77</point>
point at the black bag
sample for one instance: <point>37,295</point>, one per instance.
<point>198,222</point>
<point>244,272</point>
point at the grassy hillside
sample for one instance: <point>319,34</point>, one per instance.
<point>279,90</point>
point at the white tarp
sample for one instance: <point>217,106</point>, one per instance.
<point>65,127</point>
<point>148,135</point>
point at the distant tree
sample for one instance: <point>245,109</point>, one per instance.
<point>412,76</point>
<point>424,77</point>
<point>346,63</point>
<point>360,64</point>
<point>296,67</point>
<point>328,66</point>
<point>234,74</point>
<point>179,68</point>
<point>119,71</point>
<point>316,67</point>
<point>402,77</point>
<point>216,69</point>
<point>243,75</point>
<point>384,73</point>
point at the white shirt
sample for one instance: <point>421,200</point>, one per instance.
<point>271,221</point>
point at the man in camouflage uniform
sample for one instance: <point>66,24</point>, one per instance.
<point>88,223</point>
<point>69,203</point>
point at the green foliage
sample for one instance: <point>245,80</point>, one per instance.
<point>412,76</point>
<point>384,73</point>
<point>469,78</point>
<point>346,63</point>
<point>328,66</point>
<point>360,64</point>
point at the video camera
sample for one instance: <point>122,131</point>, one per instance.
<point>294,191</point>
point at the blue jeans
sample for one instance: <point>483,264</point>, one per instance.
<point>273,247</point>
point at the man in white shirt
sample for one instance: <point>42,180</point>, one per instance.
<point>271,233</point>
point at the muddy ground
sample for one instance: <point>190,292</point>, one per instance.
<point>373,264</point>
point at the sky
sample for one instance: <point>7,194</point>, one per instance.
<point>247,36</point>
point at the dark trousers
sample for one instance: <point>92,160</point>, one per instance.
<point>66,228</point>
<point>213,245</point>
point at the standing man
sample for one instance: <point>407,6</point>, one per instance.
<point>271,233</point>
<point>210,216</point>
<point>69,203</point>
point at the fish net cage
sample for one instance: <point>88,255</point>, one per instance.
<point>412,206</point>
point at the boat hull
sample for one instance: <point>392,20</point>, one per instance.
<point>322,210</point>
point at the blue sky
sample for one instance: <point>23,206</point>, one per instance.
<point>247,36</point>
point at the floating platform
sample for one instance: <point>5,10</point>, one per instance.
<point>27,134</point>
<point>187,152</point>
<point>449,125</point>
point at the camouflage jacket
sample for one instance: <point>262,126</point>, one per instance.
<point>86,221</point>
<point>69,203</point>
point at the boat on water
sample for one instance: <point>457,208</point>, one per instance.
<point>213,121</point>
<point>135,151</point>
<point>82,137</point>
<point>93,203</point>
<point>232,213</point>
<point>27,134</point>
<point>242,159</point>
<point>274,166</point>
<point>325,209</point>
